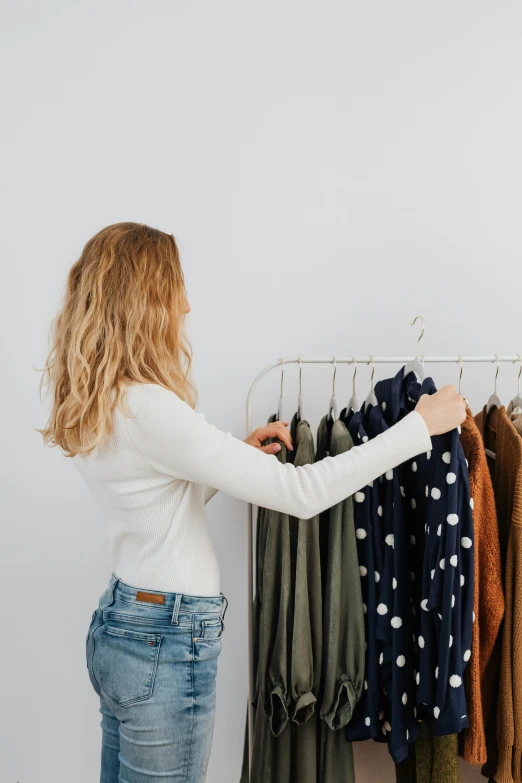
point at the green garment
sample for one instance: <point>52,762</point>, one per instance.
<point>273,611</point>
<point>436,757</point>
<point>307,635</point>
<point>324,673</point>
<point>343,613</point>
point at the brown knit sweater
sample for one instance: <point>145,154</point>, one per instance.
<point>501,436</point>
<point>488,600</point>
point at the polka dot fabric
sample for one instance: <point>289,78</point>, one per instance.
<point>367,720</point>
<point>415,550</point>
<point>439,520</point>
<point>390,702</point>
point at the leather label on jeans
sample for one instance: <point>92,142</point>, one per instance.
<point>154,598</point>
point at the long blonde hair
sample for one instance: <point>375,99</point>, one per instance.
<point>122,321</point>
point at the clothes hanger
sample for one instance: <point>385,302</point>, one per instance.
<point>333,401</point>
<point>371,398</point>
<point>460,375</point>
<point>516,402</point>
<point>352,402</point>
<point>460,379</point>
<point>280,407</point>
<point>494,400</point>
<point>300,395</point>
<point>415,364</point>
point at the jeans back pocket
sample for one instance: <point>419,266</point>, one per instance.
<point>126,663</point>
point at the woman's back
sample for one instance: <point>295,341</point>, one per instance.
<point>158,534</point>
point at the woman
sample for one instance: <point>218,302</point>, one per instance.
<point>124,411</point>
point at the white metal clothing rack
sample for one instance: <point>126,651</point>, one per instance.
<point>250,508</point>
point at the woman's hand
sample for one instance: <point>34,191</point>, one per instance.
<point>442,411</point>
<point>275,430</point>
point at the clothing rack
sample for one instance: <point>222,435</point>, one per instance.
<point>250,508</point>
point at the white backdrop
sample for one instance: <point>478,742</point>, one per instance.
<point>330,171</point>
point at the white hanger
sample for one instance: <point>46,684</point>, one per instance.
<point>333,401</point>
<point>494,400</point>
<point>280,407</point>
<point>352,402</point>
<point>371,398</point>
<point>415,365</point>
<point>516,402</point>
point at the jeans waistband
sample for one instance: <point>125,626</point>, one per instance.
<point>176,603</point>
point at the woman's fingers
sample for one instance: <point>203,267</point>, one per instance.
<point>272,448</point>
<point>275,430</point>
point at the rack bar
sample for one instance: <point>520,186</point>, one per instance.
<point>250,508</point>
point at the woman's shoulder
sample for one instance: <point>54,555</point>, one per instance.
<point>145,398</point>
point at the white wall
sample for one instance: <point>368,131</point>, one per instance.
<point>330,170</point>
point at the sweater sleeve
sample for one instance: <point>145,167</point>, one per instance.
<point>177,441</point>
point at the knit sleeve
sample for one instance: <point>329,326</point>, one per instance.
<point>177,441</point>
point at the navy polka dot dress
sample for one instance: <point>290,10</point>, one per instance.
<point>368,715</point>
<point>418,576</point>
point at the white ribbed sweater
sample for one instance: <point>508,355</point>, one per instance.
<point>154,474</point>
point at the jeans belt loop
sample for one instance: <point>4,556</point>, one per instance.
<point>175,611</point>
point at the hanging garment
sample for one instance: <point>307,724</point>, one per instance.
<point>392,688</point>
<point>406,770</point>
<point>306,750</point>
<point>440,526</point>
<point>515,413</point>
<point>318,754</point>
<point>343,621</point>
<point>399,594</point>
<point>436,757</point>
<point>273,617</point>
<point>369,719</point>
<point>504,735</point>
<point>343,615</point>
<point>284,748</point>
<point>482,671</point>
<point>307,631</point>
<point>488,605</point>
<point>273,610</point>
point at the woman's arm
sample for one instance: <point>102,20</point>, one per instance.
<point>179,442</point>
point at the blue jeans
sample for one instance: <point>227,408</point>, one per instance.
<point>152,660</point>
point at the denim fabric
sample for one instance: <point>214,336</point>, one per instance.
<point>153,666</point>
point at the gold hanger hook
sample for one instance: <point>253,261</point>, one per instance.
<point>282,375</point>
<point>335,370</point>
<point>300,372</point>
<point>421,334</point>
<point>354,374</point>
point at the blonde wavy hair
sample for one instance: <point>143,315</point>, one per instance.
<point>122,321</point>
